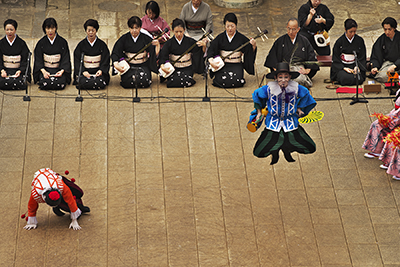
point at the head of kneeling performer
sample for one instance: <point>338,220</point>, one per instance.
<point>389,26</point>
<point>350,27</point>
<point>49,28</point>
<point>282,74</point>
<point>134,24</point>
<point>52,197</point>
<point>230,22</point>
<point>178,27</point>
<point>91,27</point>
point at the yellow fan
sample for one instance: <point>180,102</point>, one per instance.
<point>312,117</point>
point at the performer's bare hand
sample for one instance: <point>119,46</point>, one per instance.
<point>45,73</point>
<point>356,70</point>
<point>300,112</point>
<point>3,73</point>
<point>74,225</point>
<point>374,71</point>
<point>320,20</point>
<point>392,68</point>
<point>304,71</point>
<point>99,73</point>
<point>253,43</point>
<point>86,74</point>
<point>17,73</point>
<point>312,11</point>
<point>259,116</point>
<point>59,73</point>
<point>30,226</point>
<point>348,70</point>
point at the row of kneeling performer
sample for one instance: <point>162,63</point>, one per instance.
<point>140,52</point>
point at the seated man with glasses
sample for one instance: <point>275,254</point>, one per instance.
<point>296,50</point>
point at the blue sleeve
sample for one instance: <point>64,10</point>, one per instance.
<point>305,101</point>
<point>260,96</point>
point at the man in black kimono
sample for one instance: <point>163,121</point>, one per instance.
<point>344,68</point>
<point>385,56</point>
<point>296,50</point>
<point>96,60</point>
<point>315,17</point>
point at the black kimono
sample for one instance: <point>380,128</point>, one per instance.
<point>188,65</point>
<point>385,49</point>
<point>96,57</point>
<point>53,58</point>
<point>282,51</point>
<point>232,75</point>
<point>14,57</point>
<point>342,57</point>
<point>139,73</point>
<point>312,28</point>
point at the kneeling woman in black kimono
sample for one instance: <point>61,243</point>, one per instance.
<point>96,59</point>
<point>344,69</point>
<point>187,65</point>
<point>231,75</point>
<point>140,67</point>
<point>52,68</point>
<point>13,59</point>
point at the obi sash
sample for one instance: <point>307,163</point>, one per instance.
<point>52,61</point>
<point>347,58</point>
<point>91,62</point>
<point>12,62</point>
<point>141,58</point>
<point>195,25</point>
<point>234,58</point>
<point>184,62</point>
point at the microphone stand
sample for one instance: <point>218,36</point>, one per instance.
<point>134,76</point>
<point>206,98</point>
<point>79,98</point>
<point>28,65</point>
<point>357,75</point>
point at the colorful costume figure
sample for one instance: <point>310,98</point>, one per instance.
<point>283,50</point>
<point>195,21</point>
<point>52,56</point>
<point>57,191</point>
<point>391,150</point>
<point>141,67</point>
<point>343,57</point>
<point>379,129</point>
<point>13,58</point>
<point>313,27</point>
<point>282,130</point>
<point>96,57</point>
<point>186,66</point>
<point>232,74</point>
<point>153,28</point>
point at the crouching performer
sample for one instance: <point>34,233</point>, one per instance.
<point>286,101</point>
<point>58,192</point>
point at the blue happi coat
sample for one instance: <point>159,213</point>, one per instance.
<point>282,105</point>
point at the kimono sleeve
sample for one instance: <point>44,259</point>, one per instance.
<point>118,50</point>
<point>77,60</point>
<point>198,59</point>
<point>377,54</point>
<point>65,63</point>
<point>272,58</point>
<point>337,64</point>
<point>24,61</point>
<point>163,56</point>
<point>305,101</point>
<point>152,58</point>
<point>330,19</point>
<point>105,62</point>
<point>249,57</point>
<point>39,62</point>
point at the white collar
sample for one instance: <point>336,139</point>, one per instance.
<point>52,42</point>
<point>12,42</point>
<point>194,9</point>
<point>294,40</point>
<point>135,39</point>
<point>179,42</point>
<point>350,41</point>
<point>91,44</point>
<point>230,39</point>
<point>293,86</point>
